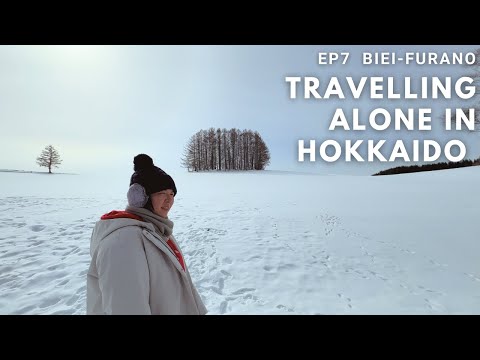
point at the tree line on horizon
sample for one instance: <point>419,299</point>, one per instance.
<point>428,167</point>
<point>222,149</point>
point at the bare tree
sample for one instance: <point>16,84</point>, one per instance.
<point>211,145</point>
<point>225,147</point>
<point>219,151</point>
<point>263,155</point>
<point>189,159</point>
<point>48,158</point>
<point>233,144</point>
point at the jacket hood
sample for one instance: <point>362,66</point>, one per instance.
<point>114,221</point>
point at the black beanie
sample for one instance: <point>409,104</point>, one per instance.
<point>152,178</point>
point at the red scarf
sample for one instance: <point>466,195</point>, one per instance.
<point>176,252</point>
<point>117,214</point>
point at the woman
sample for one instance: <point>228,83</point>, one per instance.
<point>137,266</point>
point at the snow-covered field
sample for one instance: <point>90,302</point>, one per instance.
<point>266,242</point>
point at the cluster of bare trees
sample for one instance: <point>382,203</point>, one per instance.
<point>223,149</point>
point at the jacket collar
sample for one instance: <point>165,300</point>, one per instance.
<point>161,244</point>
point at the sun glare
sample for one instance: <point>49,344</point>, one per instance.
<point>78,54</point>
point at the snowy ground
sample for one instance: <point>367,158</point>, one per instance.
<point>262,242</point>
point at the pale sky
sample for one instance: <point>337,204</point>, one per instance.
<point>102,105</point>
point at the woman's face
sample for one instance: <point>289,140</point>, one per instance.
<point>162,202</point>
